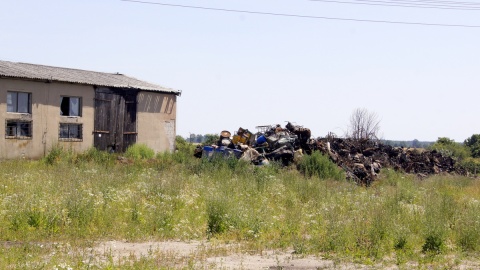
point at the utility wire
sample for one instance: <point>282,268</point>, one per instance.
<point>401,4</point>
<point>302,16</point>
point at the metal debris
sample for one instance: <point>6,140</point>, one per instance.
<point>361,160</point>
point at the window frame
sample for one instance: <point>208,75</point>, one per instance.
<point>68,138</point>
<point>80,103</point>
<point>17,131</point>
<point>16,105</point>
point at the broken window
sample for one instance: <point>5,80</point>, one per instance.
<point>18,129</point>
<point>70,106</point>
<point>70,132</point>
<point>19,102</point>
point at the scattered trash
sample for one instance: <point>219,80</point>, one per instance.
<point>360,159</point>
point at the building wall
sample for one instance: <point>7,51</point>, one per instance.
<point>156,120</point>
<point>45,117</point>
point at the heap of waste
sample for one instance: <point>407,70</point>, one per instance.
<point>271,143</point>
<point>360,159</point>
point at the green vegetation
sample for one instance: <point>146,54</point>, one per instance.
<point>81,199</point>
<point>449,147</point>
<point>466,154</point>
<point>139,151</point>
<point>319,165</point>
<point>473,144</point>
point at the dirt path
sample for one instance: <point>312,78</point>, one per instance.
<point>205,256</point>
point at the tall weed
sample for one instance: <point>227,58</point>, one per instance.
<point>139,151</point>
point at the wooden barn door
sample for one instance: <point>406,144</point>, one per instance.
<point>115,127</point>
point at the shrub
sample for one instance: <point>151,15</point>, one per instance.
<point>433,243</point>
<point>139,151</point>
<point>57,154</point>
<point>318,165</point>
<point>449,147</point>
<point>472,165</point>
<point>217,217</point>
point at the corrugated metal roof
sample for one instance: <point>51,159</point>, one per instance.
<point>40,72</point>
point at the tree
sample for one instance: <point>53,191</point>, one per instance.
<point>211,139</point>
<point>416,143</point>
<point>473,143</point>
<point>444,141</point>
<point>192,137</point>
<point>199,138</point>
<point>363,125</point>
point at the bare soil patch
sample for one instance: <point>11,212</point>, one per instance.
<point>204,255</point>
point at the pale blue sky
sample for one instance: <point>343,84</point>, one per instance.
<point>243,70</point>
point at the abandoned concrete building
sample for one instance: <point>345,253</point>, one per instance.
<point>44,106</point>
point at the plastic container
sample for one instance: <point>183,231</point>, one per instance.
<point>261,139</point>
<point>207,152</point>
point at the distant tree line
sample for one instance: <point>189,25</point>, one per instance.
<point>205,139</point>
<point>414,143</point>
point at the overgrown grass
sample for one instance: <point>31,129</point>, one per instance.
<point>139,151</point>
<point>92,197</point>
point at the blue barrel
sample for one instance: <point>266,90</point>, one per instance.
<point>261,139</point>
<point>207,151</point>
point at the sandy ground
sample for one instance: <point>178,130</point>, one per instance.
<point>206,256</point>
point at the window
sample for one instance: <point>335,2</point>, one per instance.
<point>19,102</point>
<point>70,106</point>
<point>18,129</point>
<point>70,132</point>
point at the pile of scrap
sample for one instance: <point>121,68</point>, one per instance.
<point>362,160</point>
<point>270,143</point>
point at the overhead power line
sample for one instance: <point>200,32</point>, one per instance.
<point>410,4</point>
<point>302,16</point>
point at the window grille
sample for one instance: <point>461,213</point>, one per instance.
<point>70,132</point>
<point>18,129</point>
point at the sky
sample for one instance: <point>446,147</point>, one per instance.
<point>247,69</point>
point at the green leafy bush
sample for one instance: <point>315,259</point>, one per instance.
<point>318,165</point>
<point>472,165</point>
<point>449,147</point>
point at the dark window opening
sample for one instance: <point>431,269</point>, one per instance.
<point>19,102</point>
<point>70,132</point>
<point>70,106</point>
<point>15,129</point>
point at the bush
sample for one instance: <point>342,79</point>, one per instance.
<point>433,243</point>
<point>184,147</point>
<point>472,165</point>
<point>139,151</point>
<point>318,165</point>
<point>59,154</point>
<point>449,147</point>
